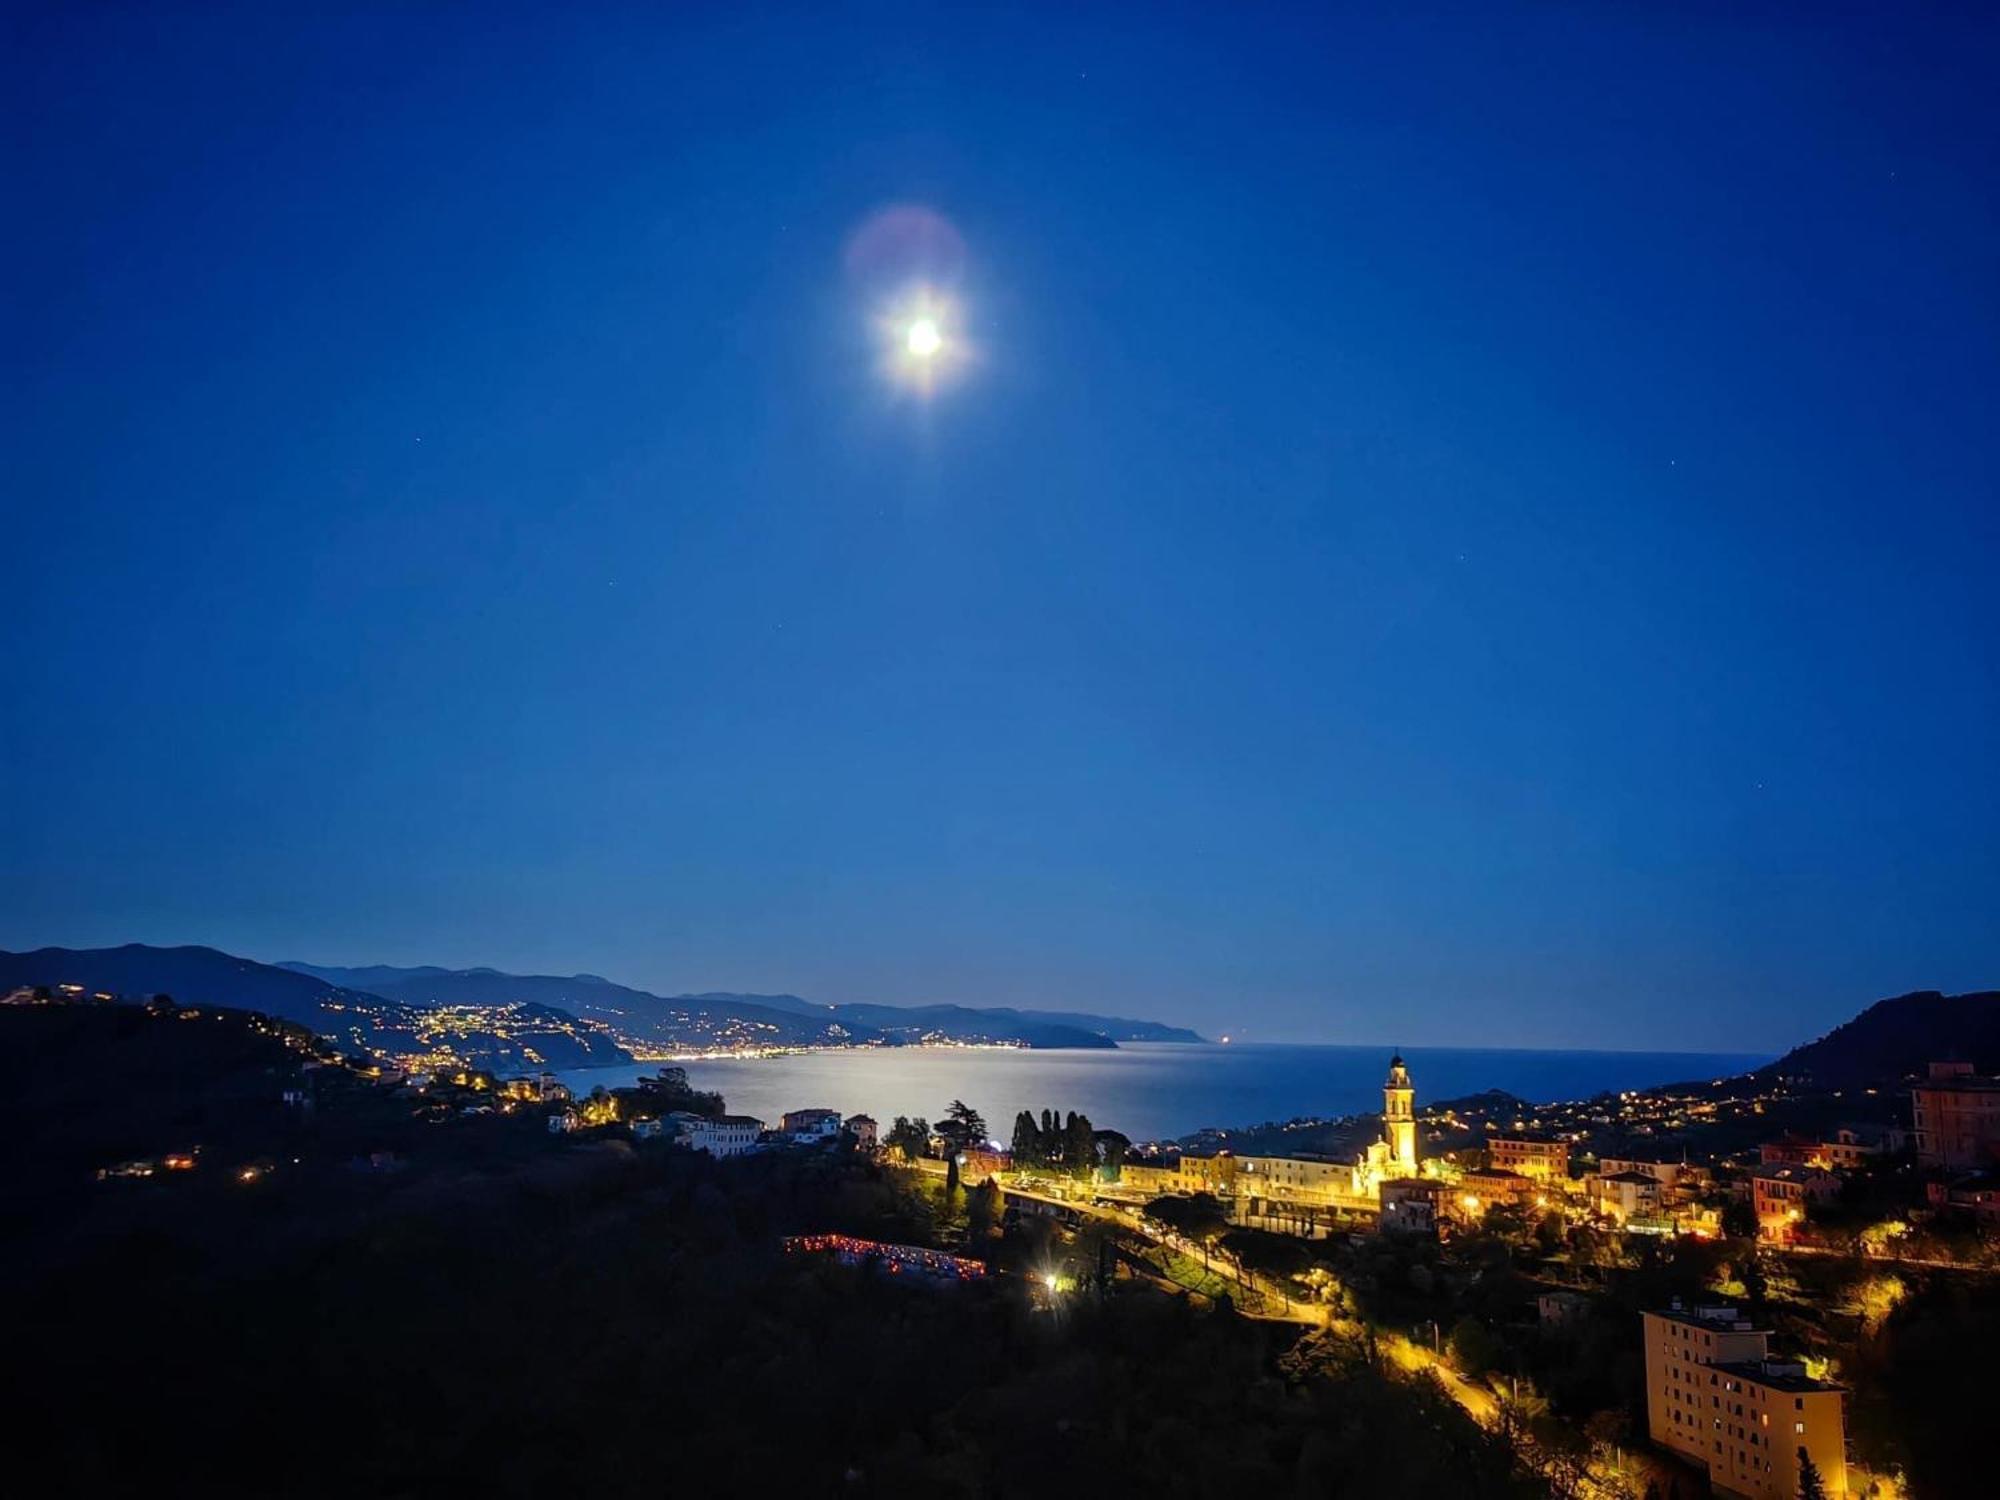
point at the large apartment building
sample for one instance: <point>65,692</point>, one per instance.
<point>1715,1396</point>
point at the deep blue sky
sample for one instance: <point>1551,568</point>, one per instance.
<point>1464,528</point>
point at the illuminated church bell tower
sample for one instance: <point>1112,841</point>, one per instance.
<point>1399,1119</point>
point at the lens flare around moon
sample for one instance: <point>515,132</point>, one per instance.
<point>905,242</point>
<point>906,265</point>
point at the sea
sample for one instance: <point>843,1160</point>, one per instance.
<point>1156,1091</point>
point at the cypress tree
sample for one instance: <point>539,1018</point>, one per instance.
<point>1811,1486</point>
<point>1028,1148</point>
<point>1081,1153</point>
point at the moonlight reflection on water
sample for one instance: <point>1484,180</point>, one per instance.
<point>1159,1090</point>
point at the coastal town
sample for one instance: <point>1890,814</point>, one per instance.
<point>1480,1243</point>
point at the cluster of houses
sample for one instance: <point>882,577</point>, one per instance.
<point>1955,1113</point>
<point>718,1135</point>
<point>1956,1135</point>
<point>1956,1119</point>
<point>1667,1196</point>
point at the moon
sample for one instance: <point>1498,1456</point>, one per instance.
<point>922,343</point>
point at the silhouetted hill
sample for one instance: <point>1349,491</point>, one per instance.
<point>359,1021</point>
<point>86,1086</point>
<point>918,1023</point>
<point>992,1020</point>
<point>370,977</point>
<point>958,1023</point>
<point>723,1018</point>
<point>637,1016</point>
<point>1117,1028</point>
<point>1893,1039</point>
<point>206,976</point>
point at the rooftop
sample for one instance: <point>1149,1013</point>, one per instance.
<point>1960,1083</point>
<point>1719,1317</point>
<point>1778,1374</point>
<point>1647,1161</point>
<point>1790,1172</point>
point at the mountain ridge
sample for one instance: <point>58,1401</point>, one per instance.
<point>637,1015</point>
<point>359,1020</point>
<point>861,1021</point>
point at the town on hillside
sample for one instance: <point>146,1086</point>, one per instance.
<point>1732,1284</point>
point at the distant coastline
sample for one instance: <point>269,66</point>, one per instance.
<point>428,1017</point>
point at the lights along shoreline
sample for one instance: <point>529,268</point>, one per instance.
<point>1158,1091</point>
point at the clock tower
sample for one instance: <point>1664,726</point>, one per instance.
<point>1399,1119</point>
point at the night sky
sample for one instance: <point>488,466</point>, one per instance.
<point>1438,528</point>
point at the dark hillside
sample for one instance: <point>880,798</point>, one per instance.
<point>87,1086</point>
<point>1894,1039</point>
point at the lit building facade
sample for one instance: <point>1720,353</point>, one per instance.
<point>1491,1187</point>
<point>1410,1205</point>
<point>1780,1196</point>
<point>1842,1152</point>
<point>1294,1181</point>
<point>1208,1174</point>
<point>1299,1186</point>
<point>1957,1118</point>
<point>1149,1178</point>
<point>809,1125</point>
<point>1530,1155</point>
<point>1215,1175</point>
<point>1715,1396</point>
<point>731,1135</point>
<point>1676,1178</point>
<point>1624,1196</point>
